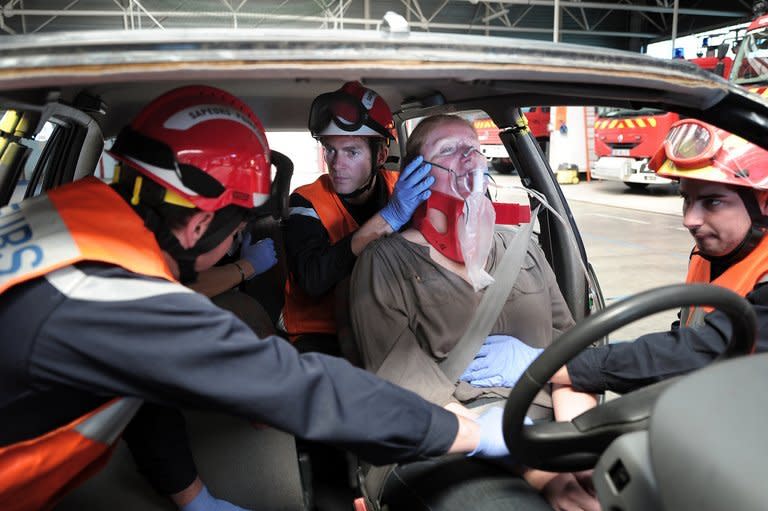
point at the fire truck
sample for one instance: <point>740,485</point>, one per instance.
<point>750,67</point>
<point>625,140</point>
<point>494,150</point>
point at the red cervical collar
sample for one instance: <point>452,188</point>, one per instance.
<point>446,243</point>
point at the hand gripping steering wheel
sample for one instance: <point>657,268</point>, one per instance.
<point>576,445</point>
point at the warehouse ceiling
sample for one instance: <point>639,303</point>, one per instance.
<point>622,24</point>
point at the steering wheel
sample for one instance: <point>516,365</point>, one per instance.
<point>576,445</point>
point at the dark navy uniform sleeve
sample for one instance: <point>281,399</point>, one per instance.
<point>623,367</point>
<point>315,263</point>
<point>115,333</point>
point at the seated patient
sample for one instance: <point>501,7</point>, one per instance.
<point>414,293</point>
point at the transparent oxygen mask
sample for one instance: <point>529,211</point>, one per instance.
<point>464,183</point>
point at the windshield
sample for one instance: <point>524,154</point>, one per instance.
<point>751,65</point>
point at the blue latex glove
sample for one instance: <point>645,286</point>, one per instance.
<point>204,501</point>
<point>500,362</point>
<point>411,189</point>
<point>261,254</point>
<point>491,444</point>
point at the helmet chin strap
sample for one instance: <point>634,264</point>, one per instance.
<point>371,178</point>
<point>184,257</point>
<point>367,186</point>
<point>223,224</point>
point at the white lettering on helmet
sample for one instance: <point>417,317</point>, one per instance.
<point>369,97</point>
<point>192,116</point>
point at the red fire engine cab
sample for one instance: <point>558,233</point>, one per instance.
<point>490,143</point>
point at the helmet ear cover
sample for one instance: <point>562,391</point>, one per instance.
<point>139,148</point>
<point>162,217</point>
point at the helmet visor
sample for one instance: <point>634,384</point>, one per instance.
<point>691,143</point>
<point>156,158</point>
<point>345,111</point>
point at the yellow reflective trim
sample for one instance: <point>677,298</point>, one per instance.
<point>706,173</point>
<point>170,197</point>
<point>612,123</point>
<point>22,128</point>
<point>3,143</point>
<point>522,123</point>
<point>640,123</point>
<point>652,122</point>
<point>174,198</point>
<point>136,190</point>
<point>10,155</point>
<point>9,121</point>
<point>116,173</point>
<point>630,124</point>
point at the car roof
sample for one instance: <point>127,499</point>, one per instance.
<point>278,72</point>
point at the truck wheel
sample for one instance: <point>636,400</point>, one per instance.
<point>637,186</point>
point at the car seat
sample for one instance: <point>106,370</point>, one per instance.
<point>253,466</point>
<point>269,287</point>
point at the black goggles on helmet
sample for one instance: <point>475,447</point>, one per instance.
<point>145,150</point>
<point>345,111</point>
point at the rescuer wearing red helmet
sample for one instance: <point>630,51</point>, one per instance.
<point>335,217</point>
<point>724,185</point>
<point>91,300</point>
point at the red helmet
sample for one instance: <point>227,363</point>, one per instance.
<point>351,110</point>
<point>696,150</point>
<point>202,143</point>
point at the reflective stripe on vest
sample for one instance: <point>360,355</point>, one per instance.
<point>302,313</point>
<point>32,475</point>
<point>84,221</point>
<point>45,236</point>
<point>740,278</point>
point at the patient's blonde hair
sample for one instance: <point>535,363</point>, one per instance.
<point>419,135</point>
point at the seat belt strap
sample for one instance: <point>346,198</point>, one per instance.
<point>490,304</point>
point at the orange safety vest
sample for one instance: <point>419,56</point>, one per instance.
<point>303,314</point>
<point>82,221</point>
<point>740,278</point>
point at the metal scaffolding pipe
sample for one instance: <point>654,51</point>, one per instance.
<point>674,25</point>
<point>626,7</point>
<point>425,25</point>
